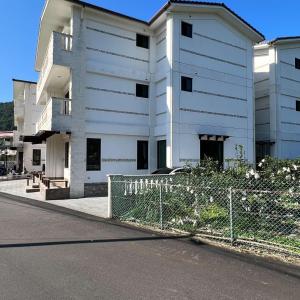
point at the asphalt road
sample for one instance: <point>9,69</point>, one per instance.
<point>48,255</point>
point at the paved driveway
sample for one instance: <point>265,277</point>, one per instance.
<point>48,255</point>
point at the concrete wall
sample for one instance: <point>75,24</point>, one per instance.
<point>277,90</point>
<point>219,59</point>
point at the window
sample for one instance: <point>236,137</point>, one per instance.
<point>297,105</point>
<point>66,155</point>
<point>186,84</point>
<point>142,41</point>
<point>297,63</point>
<point>36,157</point>
<point>187,29</point>
<point>142,90</point>
<point>161,154</point>
<point>93,155</point>
<point>142,155</point>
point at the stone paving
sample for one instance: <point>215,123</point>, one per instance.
<point>96,206</point>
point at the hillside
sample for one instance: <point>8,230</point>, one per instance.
<point>6,116</point>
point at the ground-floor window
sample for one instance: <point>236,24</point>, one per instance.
<point>212,150</point>
<point>36,157</point>
<point>161,154</point>
<point>142,155</point>
<point>93,155</point>
<point>262,150</point>
<point>67,155</point>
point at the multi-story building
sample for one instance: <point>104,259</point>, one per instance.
<point>30,157</point>
<point>123,95</point>
<point>277,89</point>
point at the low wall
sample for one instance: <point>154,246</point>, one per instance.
<point>96,189</point>
<point>55,194</point>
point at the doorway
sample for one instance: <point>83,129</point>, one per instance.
<point>161,154</point>
<point>212,150</point>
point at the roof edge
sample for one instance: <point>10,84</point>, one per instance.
<point>25,81</point>
<point>284,39</point>
<point>163,9</point>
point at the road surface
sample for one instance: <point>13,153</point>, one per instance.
<point>49,255</point>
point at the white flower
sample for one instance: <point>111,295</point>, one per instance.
<point>295,167</point>
<point>252,172</point>
<point>211,199</point>
<point>247,175</point>
<point>288,177</point>
<point>256,176</point>
<point>260,164</point>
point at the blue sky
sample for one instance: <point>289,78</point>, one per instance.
<point>19,25</point>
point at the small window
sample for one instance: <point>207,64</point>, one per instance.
<point>297,105</point>
<point>142,41</point>
<point>36,157</point>
<point>66,155</point>
<point>187,29</point>
<point>142,90</point>
<point>297,63</point>
<point>142,155</point>
<point>93,155</point>
<point>186,84</point>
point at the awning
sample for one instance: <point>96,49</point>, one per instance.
<point>41,136</point>
<point>213,137</point>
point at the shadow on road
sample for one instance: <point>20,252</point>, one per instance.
<point>76,242</point>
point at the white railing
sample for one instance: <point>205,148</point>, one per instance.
<point>63,42</point>
<point>54,109</point>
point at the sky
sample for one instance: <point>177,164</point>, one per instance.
<point>19,25</point>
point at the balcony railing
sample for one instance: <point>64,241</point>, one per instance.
<point>58,42</point>
<point>56,115</point>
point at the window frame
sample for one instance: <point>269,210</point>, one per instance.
<point>142,41</point>
<point>186,29</point>
<point>298,105</point>
<point>38,152</point>
<point>142,162</point>
<point>185,85</point>
<point>142,95</point>
<point>90,166</point>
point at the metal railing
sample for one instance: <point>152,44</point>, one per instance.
<point>249,211</point>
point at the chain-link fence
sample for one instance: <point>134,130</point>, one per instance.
<point>255,211</point>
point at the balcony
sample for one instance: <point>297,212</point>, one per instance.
<point>56,116</point>
<point>56,63</point>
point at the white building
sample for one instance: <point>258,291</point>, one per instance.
<point>31,157</point>
<point>127,96</point>
<point>277,89</point>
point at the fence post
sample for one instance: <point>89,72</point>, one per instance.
<point>231,216</point>
<point>161,207</point>
<point>109,199</point>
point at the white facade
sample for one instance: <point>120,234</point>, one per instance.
<point>26,114</point>
<point>277,89</point>
<point>89,66</point>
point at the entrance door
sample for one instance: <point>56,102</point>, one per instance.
<point>161,154</point>
<point>213,150</point>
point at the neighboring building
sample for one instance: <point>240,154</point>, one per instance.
<point>127,96</point>
<point>7,151</point>
<point>26,113</point>
<point>277,93</point>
